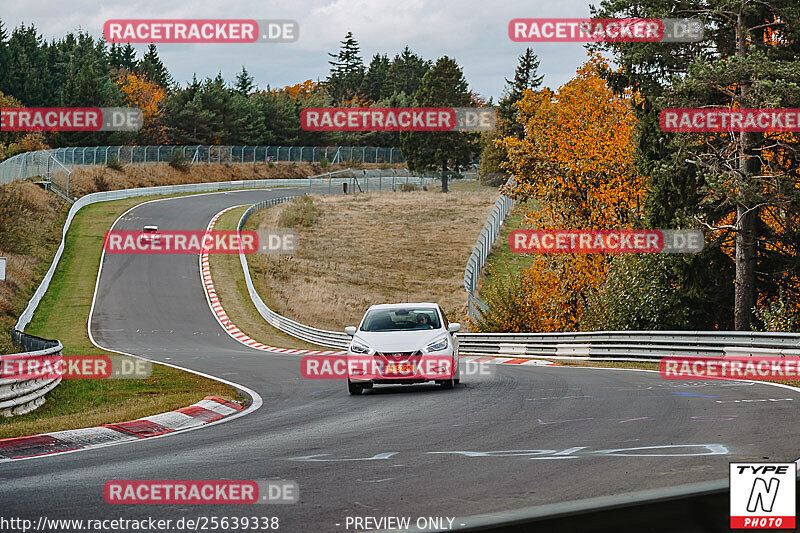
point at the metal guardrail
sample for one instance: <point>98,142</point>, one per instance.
<point>30,164</point>
<point>19,396</point>
<point>639,345</point>
<point>320,337</point>
<point>480,252</point>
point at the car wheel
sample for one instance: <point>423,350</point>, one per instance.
<point>354,388</point>
<point>448,383</point>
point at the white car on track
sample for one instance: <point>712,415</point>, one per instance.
<point>405,344</point>
<point>149,234</point>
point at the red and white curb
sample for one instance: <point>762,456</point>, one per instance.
<point>506,360</point>
<point>209,409</point>
<point>225,321</point>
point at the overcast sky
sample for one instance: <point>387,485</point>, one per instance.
<point>474,32</point>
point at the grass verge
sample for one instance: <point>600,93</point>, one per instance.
<point>63,314</point>
<point>501,261</point>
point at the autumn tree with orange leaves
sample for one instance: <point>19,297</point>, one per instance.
<point>574,168</point>
<point>148,96</point>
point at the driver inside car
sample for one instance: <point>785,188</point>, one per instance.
<point>424,320</point>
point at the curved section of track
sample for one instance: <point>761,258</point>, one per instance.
<point>528,436</point>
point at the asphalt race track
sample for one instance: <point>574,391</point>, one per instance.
<point>528,436</point>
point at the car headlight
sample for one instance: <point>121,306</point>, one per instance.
<point>437,346</point>
<point>359,348</point>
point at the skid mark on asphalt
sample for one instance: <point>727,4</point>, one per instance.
<point>758,400</point>
<point>692,394</point>
<point>542,423</point>
<point>557,398</point>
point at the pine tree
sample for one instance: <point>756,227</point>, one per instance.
<point>443,85</point>
<point>27,73</point>
<point>375,86</point>
<point>347,71</point>
<point>244,82</point>
<point>406,72</point>
<point>128,57</point>
<point>525,78</point>
<point>115,56</point>
<point>152,67</point>
<point>3,55</point>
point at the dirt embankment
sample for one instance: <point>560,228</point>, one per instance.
<point>101,178</point>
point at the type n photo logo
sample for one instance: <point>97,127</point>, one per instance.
<point>763,495</point>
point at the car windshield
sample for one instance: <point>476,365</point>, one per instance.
<point>401,319</point>
<point>150,229</point>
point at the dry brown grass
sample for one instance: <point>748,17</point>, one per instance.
<point>92,179</point>
<point>373,248</point>
<point>30,222</point>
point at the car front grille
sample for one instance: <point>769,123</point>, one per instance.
<point>398,353</point>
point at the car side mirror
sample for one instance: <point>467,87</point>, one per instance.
<point>453,327</point>
<point>350,330</point>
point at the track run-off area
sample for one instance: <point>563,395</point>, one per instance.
<point>527,436</point>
